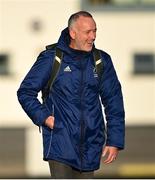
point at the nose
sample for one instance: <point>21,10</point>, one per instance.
<point>93,35</point>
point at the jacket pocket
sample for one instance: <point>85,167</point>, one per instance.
<point>47,140</point>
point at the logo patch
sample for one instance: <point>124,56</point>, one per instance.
<point>95,72</point>
<point>67,69</point>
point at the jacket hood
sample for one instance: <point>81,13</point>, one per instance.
<point>64,40</point>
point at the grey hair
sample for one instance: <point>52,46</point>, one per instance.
<point>73,18</point>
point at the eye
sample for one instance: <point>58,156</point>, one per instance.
<point>94,30</point>
<point>87,32</point>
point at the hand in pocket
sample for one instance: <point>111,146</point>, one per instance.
<point>49,122</point>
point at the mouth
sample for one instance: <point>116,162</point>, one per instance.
<point>90,43</point>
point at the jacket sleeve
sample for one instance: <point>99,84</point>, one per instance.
<point>32,84</point>
<point>112,100</point>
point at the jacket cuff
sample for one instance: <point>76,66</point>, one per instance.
<point>119,146</point>
<point>40,116</point>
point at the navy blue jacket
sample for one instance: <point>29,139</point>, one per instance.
<point>75,101</point>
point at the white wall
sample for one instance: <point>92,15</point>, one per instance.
<point>120,34</point>
<point>24,45</point>
<point>123,34</point>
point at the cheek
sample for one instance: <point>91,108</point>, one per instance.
<point>80,41</point>
<point>83,39</point>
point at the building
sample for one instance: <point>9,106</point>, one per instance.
<point>126,30</point>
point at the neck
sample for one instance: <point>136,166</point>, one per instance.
<point>72,45</point>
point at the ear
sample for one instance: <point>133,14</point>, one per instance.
<point>72,33</point>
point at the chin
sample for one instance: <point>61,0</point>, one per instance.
<point>88,49</point>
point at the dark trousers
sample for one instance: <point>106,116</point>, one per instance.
<point>62,171</point>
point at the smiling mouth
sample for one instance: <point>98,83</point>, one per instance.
<point>91,43</point>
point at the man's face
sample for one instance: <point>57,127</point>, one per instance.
<point>83,34</point>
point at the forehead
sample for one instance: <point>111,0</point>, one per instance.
<point>86,22</point>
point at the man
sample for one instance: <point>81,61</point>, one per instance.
<point>74,135</point>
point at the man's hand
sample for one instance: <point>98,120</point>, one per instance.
<point>49,122</point>
<point>111,153</point>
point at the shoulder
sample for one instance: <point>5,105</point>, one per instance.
<point>105,57</point>
<point>46,55</point>
<point>47,52</point>
<point>104,54</point>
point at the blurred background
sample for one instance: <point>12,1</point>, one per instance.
<point>126,30</point>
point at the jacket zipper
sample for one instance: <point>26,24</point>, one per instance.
<point>51,136</point>
<point>82,120</point>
